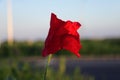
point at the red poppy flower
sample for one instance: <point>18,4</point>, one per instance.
<point>62,35</point>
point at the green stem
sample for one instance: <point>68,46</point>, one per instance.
<point>47,65</point>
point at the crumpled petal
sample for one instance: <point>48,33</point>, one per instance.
<point>62,35</point>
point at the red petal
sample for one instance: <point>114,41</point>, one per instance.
<point>62,35</point>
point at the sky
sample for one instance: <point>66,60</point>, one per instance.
<point>100,19</point>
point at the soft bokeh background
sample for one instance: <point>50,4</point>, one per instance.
<point>99,18</point>
<point>99,33</point>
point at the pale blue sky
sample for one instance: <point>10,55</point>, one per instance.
<point>99,18</point>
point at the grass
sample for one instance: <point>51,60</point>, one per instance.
<point>17,69</point>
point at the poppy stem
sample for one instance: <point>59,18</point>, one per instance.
<point>47,65</point>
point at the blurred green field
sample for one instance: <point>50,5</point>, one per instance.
<point>14,67</point>
<point>19,69</point>
<point>107,47</point>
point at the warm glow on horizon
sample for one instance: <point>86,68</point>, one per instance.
<point>9,22</point>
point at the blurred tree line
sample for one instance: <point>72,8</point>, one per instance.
<point>25,48</point>
<point>89,47</point>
